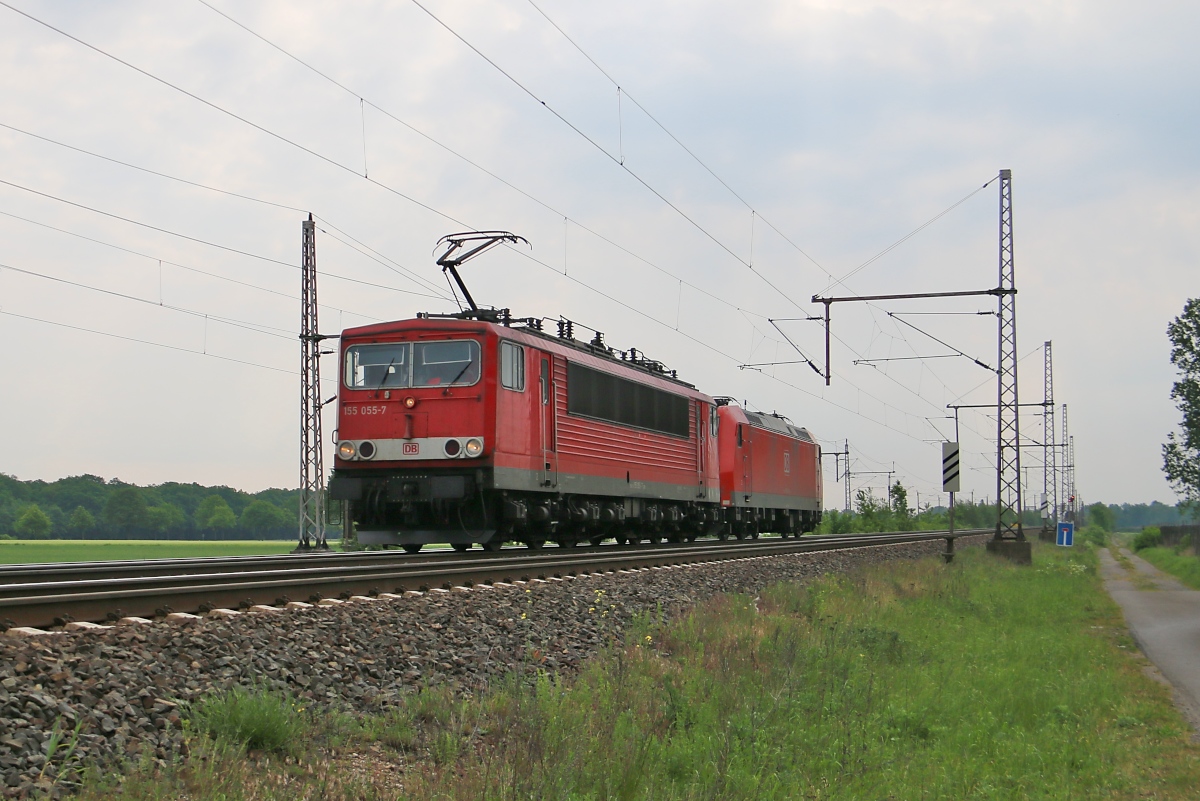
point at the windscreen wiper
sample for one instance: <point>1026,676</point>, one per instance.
<point>454,380</point>
<point>386,370</point>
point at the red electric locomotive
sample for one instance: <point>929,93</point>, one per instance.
<point>468,431</point>
<point>477,428</point>
<point>770,473</point>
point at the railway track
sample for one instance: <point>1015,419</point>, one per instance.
<point>46,595</point>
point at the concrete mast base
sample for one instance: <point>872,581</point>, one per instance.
<point>1018,551</point>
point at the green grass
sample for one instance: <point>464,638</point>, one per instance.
<point>252,719</point>
<point>31,551</point>
<point>983,680</point>
<point>1184,568</point>
<point>913,680</point>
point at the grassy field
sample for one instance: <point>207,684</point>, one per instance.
<point>1185,568</point>
<point>31,551</point>
<point>981,680</point>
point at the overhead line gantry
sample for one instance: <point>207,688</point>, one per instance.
<point>1009,538</point>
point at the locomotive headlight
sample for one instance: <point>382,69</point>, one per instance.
<point>410,402</point>
<point>474,447</point>
<point>346,450</point>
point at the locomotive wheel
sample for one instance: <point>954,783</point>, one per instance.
<point>412,547</point>
<point>535,545</point>
<point>754,534</point>
<point>596,541</point>
<point>461,547</point>
<point>492,545</point>
<point>740,534</point>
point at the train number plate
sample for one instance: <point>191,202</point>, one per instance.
<point>365,409</point>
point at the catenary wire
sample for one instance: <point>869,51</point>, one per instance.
<point>379,257</point>
<point>214,106</point>
<point>610,156</point>
<point>620,162</point>
<point>625,92</point>
<point>217,276</point>
<point>205,241</point>
<point>155,344</point>
<point>841,281</point>
<point>131,166</point>
<point>466,159</point>
<point>258,328</point>
<point>388,263</point>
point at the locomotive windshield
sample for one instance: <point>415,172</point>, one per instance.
<point>412,364</point>
<point>377,366</point>
<point>439,363</point>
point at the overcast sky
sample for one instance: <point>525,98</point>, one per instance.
<point>164,349</point>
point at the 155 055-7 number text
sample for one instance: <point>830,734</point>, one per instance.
<point>364,408</point>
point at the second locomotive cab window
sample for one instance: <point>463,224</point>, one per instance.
<point>592,393</point>
<point>412,364</point>
<point>512,366</point>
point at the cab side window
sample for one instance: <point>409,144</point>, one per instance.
<point>512,366</point>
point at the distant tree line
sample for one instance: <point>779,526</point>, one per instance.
<point>893,513</point>
<point>1136,516</point>
<point>872,514</point>
<point>88,507</point>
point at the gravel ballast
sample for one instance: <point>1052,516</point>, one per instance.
<point>125,688</point>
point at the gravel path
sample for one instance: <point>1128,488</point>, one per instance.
<point>123,687</point>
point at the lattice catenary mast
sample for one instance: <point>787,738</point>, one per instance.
<point>1050,451</point>
<point>312,470</point>
<point>1068,472</point>
<point>1008,427</point>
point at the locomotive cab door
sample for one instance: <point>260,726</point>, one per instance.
<point>548,406</point>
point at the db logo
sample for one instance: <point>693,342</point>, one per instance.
<point>412,448</point>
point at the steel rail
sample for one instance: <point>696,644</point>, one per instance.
<point>73,571</point>
<point>246,581</point>
<point>48,578</point>
<point>70,571</point>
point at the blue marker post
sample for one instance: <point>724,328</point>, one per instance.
<point>1066,534</point>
